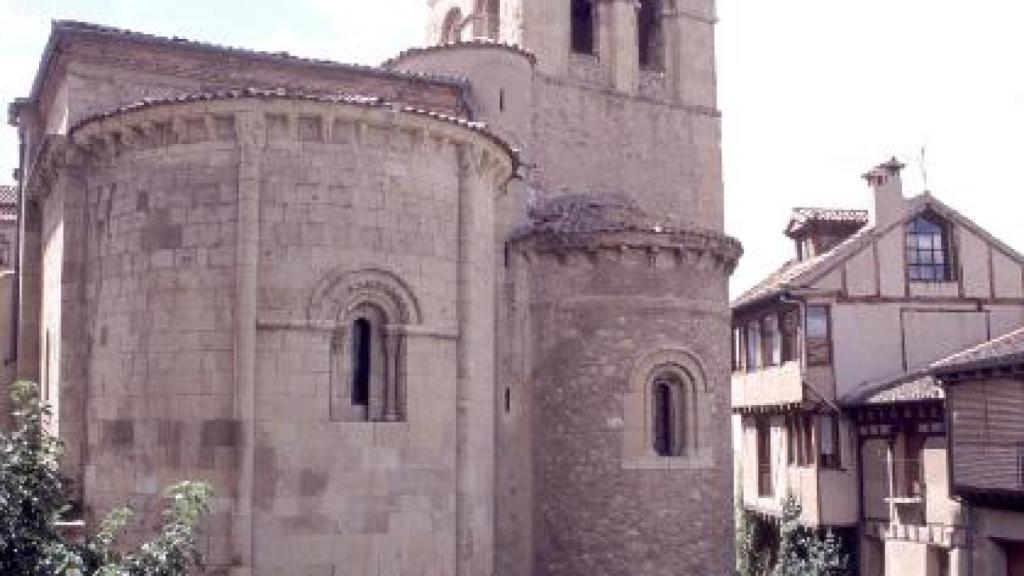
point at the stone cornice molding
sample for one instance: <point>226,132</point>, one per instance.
<point>214,118</point>
<point>706,249</point>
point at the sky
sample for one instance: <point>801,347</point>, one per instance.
<point>813,92</point>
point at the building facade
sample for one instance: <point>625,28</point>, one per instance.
<point>985,427</point>
<point>464,313</point>
<point>834,399</point>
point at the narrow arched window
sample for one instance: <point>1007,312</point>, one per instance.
<point>365,368</point>
<point>582,26</point>
<point>668,416</point>
<point>650,35</point>
<point>664,420</point>
<point>452,27</point>
<point>362,358</point>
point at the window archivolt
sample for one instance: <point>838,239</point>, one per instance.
<point>367,312</point>
<point>666,410</point>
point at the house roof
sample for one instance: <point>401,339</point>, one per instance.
<point>796,275</point>
<point>1006,349</point>
<point>804,218</point>
<point>915,386</point>
<point>64,28</point>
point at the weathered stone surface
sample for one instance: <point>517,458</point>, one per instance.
<point>201,261</point>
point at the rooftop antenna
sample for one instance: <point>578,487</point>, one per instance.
<point>924,168</point>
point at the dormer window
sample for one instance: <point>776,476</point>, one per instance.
<point>582,26</point>
<point>929,250</point>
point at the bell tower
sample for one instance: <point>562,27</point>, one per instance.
<point>630,41</point>
<point>611,436</point>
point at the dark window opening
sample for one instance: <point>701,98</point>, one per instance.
<point>501,100</point>
<point>665,441</point>
<point>508,400</point>
<point>361,343</point>
<point>582,18</point>
<point>650,35</point>
<point>928,250</point>
<point>764,458</point>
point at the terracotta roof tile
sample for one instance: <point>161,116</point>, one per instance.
<point>910,387</point>
<point>285,94</point>
<point>1008,348</point>
<point>87,27</point>
<point>803,217</point>
<point>474,43</point>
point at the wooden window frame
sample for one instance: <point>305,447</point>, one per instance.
<point>810,341</point>
<point>921,265</point>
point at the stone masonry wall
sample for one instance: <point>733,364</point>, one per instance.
<point>603,502</point>
<point>351,202</point>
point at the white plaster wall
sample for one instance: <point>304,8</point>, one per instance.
<point>867,346</point>
<point>974,254</point>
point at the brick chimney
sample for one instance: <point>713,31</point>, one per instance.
<point>884,179</point>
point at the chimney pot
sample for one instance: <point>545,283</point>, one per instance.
<point>885,181</point>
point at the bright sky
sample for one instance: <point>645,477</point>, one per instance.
<point>813,92</point>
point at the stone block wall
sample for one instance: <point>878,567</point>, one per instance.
<point>197,260</point>
<point>602,319</point>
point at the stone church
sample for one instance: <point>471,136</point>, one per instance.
<point>463,314</point>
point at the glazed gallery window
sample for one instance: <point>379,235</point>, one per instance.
<point>738,352</point>
<point>800,439</point>
<point>929,254</point>
<point>365,377</point>
<point>818,336</point>
<point>828,443</point>
<point>583,21</point>
<point>668,415</point>
<point>770,340</point>
<point>650,36</point>
<point>753,346</point>
<point>790,328</point>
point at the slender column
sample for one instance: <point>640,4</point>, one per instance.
<point>391,351</point>
<point>475,371</point>
<point>251,136</point>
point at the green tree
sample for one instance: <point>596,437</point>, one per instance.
<point>803,552</point>
<point>34,497</point>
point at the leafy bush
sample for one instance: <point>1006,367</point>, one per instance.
<point>34,498</point>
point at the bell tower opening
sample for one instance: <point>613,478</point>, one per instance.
<point>451,30</point>
<point>492,15</point>
<point>650,36</point>
<point>582,26</point>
